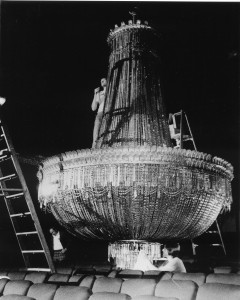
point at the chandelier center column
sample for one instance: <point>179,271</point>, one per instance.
<point>134,113</point>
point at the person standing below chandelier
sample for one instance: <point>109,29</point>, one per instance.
<point>98,102</point>
<point>172,263</point>
<point>59,245</point>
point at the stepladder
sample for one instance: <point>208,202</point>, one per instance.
<point>180,130</point>
<point>20,207</point>
<point>182,137</point>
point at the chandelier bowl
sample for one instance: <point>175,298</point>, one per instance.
<point>135,193</point>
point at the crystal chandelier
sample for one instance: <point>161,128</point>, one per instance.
<point>135,185</point>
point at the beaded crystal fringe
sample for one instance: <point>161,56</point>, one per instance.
<point>125,253</point>
<point>130,193</point>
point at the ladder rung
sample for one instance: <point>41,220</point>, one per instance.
<point>14,195</point>
<point>26,233</point>
<point>7,177</point>
<point>217,245</point>
<point>212,231</point>
<point>20,214</point>
<point>11,190</point>
<point>32,251</point>
<point>4,157</point>
<point>38,269</point>
<point>3,150</point>
<point>177,114</point>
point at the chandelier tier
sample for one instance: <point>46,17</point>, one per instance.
<point>134,185</point>
<point>144,193</point>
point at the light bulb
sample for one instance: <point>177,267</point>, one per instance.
<point>2,101</point>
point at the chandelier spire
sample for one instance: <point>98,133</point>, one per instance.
<point>134,113</point>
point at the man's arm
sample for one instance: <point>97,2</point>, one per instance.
<point>170,266</point>
<point>95,99</point>
<point>65,241</point>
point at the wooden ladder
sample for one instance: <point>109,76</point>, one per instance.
<point>20,207</point>
<point>181,132</point>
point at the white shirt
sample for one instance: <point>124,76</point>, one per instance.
<point>57,245</point>
<point>174,264</point>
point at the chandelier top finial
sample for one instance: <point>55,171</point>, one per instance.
<point>130,25</point>
<point>133,14</point>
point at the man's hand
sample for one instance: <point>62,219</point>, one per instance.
<point>64,250</point>
<point>97,90</point>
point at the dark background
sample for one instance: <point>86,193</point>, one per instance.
<point>53,55</point>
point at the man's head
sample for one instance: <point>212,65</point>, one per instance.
<point>103,82</point>
<point>172,249</point>
<point>53,231</point>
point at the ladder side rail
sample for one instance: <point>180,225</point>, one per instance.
<point>28,198</point>
<point>220,235</point>
<point>174,121</point>
<point>9,208</point>
<point>189,128</point>
<point>216,222</point>
<point>181,129</point>
<point>193,247</point>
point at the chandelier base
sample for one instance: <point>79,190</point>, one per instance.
<point>125,252</point>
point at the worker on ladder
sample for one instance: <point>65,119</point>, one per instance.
<point>175,132</point>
